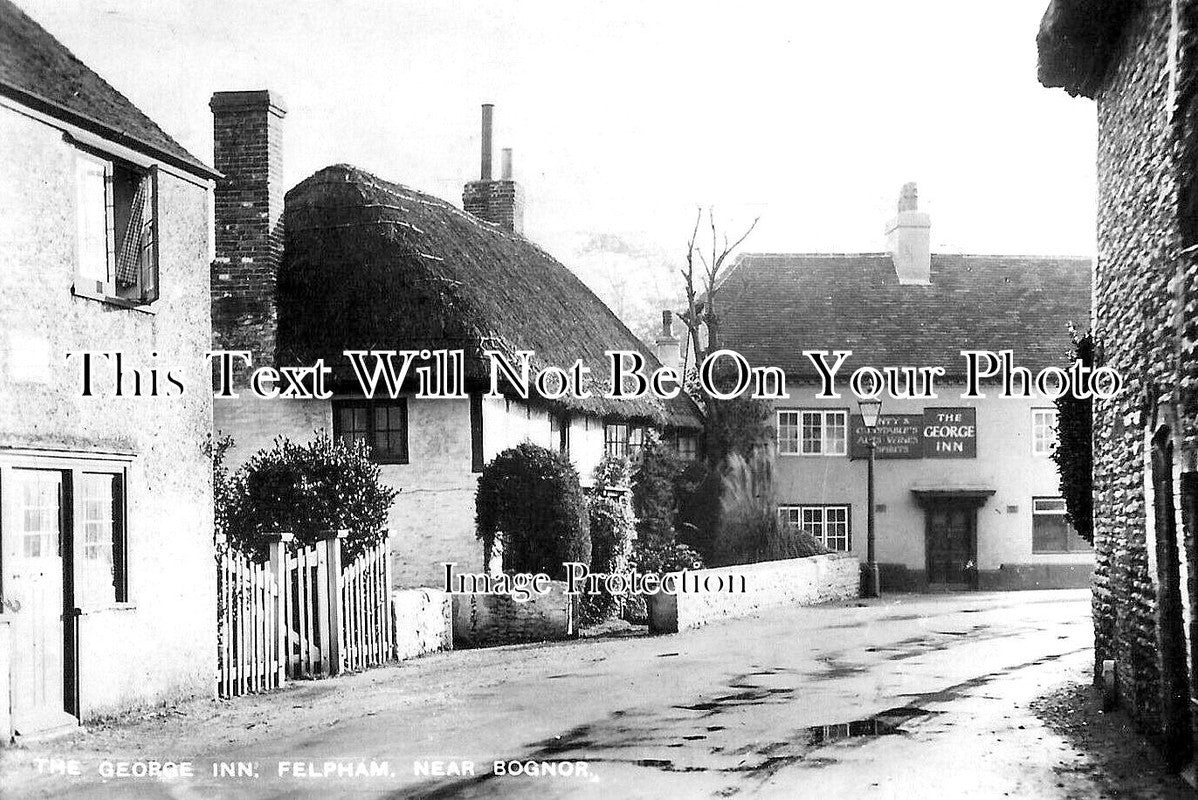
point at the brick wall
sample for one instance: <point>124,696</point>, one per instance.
<point>247,150</point>
<point>500,202</point>
<point>1137,251</point>
<point>481,620</point>
<point>770,584</point>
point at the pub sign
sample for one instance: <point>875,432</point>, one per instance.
<point>935,433</point>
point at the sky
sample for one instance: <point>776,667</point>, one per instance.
<point>625,117</point>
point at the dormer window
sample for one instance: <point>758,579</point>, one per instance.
<point>118,232</point>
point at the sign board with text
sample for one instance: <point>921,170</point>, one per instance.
<point>950,433</point>
<point>897,435</point>
<point>935,433</point>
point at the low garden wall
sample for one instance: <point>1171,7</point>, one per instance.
<point>717,592</point>
<point>481,620</point>
<point>423,621</point>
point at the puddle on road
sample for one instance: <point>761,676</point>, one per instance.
<point>823,734</point>
<point>887,723</point>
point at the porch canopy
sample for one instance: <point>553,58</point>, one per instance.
<point>927,496</point>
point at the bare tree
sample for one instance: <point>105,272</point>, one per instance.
<point>701,289</point>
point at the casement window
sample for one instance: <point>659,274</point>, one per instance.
<point>1044,431</point>
<point>621,439</point>
<point>116,214</point>
<point>1051,533</point>
<point>101,559</point>
<point>381,424</point>
<point>687,446</point>
<point>815,432</point>
<point>559,432</point>
<point>75,515</point>
<point>828,524</point>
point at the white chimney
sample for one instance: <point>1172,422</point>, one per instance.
<point>666,343</point>
<point>909,238</point>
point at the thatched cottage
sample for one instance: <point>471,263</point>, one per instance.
<point>1139,63</point>
<point>106,579</point>
<point>348,261</point>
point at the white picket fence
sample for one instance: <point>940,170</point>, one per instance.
<point>301,614</point>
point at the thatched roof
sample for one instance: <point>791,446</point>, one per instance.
<point>1076,41</point>
<point>371,264</point>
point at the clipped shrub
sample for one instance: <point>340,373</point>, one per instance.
<point>530,502</point>
<point>659,560</point>
<point>738,426</point>
<point>307,489</point>
<point>654,492</point>
<point>662,560</point>
<point>611,473</point>
<point>749,529</point>
<point>224,483</point>
<point>612,531</point>
<point>1073,454</point>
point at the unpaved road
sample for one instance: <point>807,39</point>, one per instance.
<point>934,690</point>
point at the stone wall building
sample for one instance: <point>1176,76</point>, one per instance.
<point>967,494</point>
<point>106,550</point>
<point>1138,62</point>
<point>362,263</point>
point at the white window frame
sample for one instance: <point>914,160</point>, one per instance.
<point>816,519</point>
<point>823,420</point>
<point>142,294</point>
<point>1044,431</point>
<point>1040,509</point>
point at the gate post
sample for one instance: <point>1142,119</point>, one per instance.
<point>331,644</point>
<point>277,544</point>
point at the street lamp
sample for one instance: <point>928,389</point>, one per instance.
<point>871,583</point>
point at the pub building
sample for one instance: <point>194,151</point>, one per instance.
<point>966,492</point>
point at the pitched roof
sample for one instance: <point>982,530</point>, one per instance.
<point>40,72</point>
<point>1076,41</point>
<point>370,264</point>
<point>773,306</point>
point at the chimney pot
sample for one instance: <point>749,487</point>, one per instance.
<point>488,112</point>
<point>666,346</point>
<point>500,202</point>
<point>505,161</point>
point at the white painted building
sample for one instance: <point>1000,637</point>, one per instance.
<point>961,484</point>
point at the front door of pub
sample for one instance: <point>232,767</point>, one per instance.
<point>952,543</point>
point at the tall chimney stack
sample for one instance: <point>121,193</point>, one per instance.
<point>666,343</point>
<point>488,115</point>
<point>909,238</point>
<point>248,204</point>
<point>498,201</point>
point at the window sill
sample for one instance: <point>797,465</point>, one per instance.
<point>106,607</point>
<point>813,455</point>
<point>119,302</point>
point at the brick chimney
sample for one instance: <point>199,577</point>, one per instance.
<point>667,343</point>
<point>499,201</point>
<point>247,150</point>
<point>909,239</point>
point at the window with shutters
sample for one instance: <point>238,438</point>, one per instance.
<point>116,214</point>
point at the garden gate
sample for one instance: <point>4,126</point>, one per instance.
<point>301,614</point>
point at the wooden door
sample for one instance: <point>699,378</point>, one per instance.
<point>33,595</point>
<point>951,543</point>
